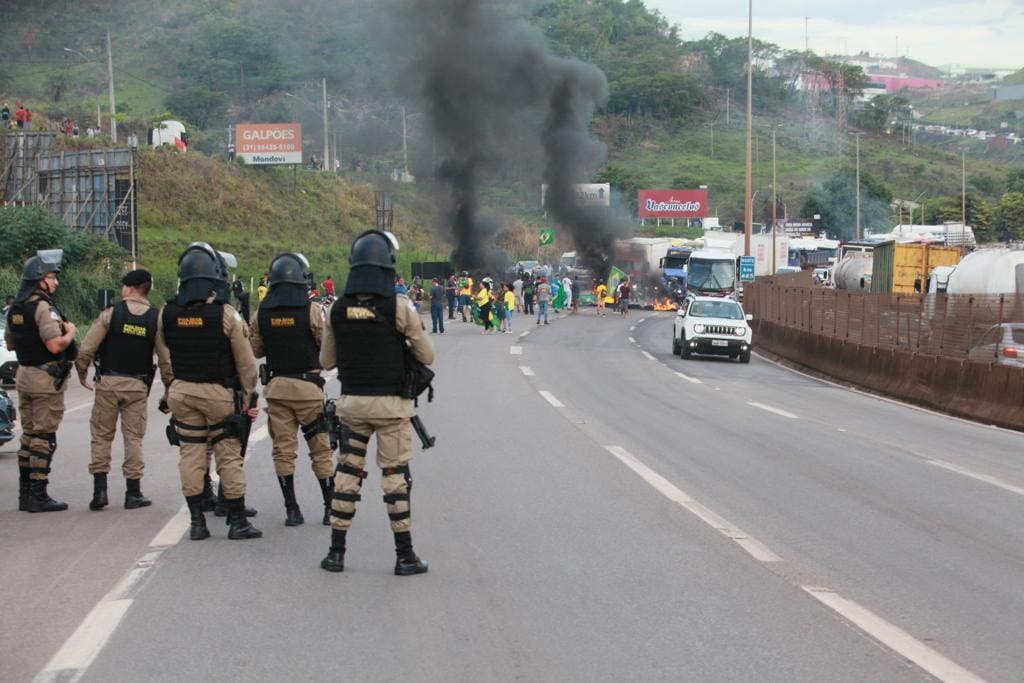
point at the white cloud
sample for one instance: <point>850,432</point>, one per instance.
<point>987,32</point>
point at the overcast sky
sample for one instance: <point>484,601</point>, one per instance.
<point>983,32</point>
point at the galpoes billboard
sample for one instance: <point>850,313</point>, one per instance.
<point>269,143</point>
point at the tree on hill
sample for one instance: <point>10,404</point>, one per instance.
<point>1009,222</point>
<point>836,202</point>
<point>949,209</point>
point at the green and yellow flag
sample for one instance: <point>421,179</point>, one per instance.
<point>547,236</point>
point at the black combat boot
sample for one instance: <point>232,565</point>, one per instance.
<point>39,500</point>
<point>209,500</point>
<point>24,490</point>
<point>293,515</point>
<point>240,528</point>
<point>407,563</point>
<point>197,531</point>
<point>133,497</point>
<point>220,509</point>
<point>99,491</point>
<point>327,489</point>
<point>335,560</point>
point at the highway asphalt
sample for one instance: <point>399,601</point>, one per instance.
<point>595,509</point>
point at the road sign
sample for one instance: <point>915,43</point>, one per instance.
<point>746,268</point>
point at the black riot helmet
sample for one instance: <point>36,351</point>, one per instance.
<point>291,268</point>
<point>45,261</point>
<point>372,262</point>
<point>374,248</point>
<point>199,260</point>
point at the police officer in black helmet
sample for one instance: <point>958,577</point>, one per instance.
<point>211,362</point>
<point>44,342</point>
<point>366,337</point>
<point>287,329</point>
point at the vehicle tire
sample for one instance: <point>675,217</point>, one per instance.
<point>684,350</point>
<point>675,346</point>
<point>745,357</point>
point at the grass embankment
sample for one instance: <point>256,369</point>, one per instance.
<point>256,213</point>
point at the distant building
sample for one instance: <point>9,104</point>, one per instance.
<point>897,83</point>
<point>952,70</point>
<point>1008,92</point>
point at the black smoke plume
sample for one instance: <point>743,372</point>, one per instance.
<point>496,100</point>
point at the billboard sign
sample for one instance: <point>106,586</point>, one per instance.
<point>672,203</point>
<point>269,143</point>
<point>587,194</point>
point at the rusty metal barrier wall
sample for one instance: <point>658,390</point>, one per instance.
<point>929,350</point>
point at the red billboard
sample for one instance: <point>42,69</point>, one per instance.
<point>672,203</point>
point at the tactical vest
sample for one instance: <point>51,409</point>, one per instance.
<point>128,347</point>
<point>287,339</point>
<point>30,349</point>
<point>368,348</point>
<point>200,351</point>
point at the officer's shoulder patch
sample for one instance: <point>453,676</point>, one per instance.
<point>17,319</point>
<point>53,314</point>
<point>359,313</point>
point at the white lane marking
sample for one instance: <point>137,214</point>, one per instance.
<point>649,356</point>
<point>632,341</point>
<point>755,548</point>
<point>640,320</point>
<point>77,408</point>
<point>515,350</point>
<point>691,380</point>
<point>632,328</point>
<point>987,478</point>
<point>549,397</point>
<point>80,650</point>
<point>893,637</point>
<point>527,370</point>
<point>524,334</point>
<point>772,409</point>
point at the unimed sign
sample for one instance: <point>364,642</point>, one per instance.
<point>269,143</point>
<point>672,203</point>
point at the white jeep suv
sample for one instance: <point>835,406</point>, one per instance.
<point>712,325</point>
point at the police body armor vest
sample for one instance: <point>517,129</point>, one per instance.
<point>200,351</point>
<point>368,347</point>
<point>128,347</point>
<point>30,349</point>
<point>287,339</point>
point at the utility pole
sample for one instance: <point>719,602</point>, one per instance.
<point>727,91</point>
<point>807,42</point>
<point>712,139</point>
<point>110,91</point>
<point>326,146</point>
<point>857,137</point>
<point>775,200</point>
<point>748,208</point>
<point>963,191</point>
<point>405,144</point>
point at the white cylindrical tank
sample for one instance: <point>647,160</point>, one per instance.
<point>854,272</point>
<point>988,271</point>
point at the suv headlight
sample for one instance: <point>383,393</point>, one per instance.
<point>740,331</point>
<point>698,328</point>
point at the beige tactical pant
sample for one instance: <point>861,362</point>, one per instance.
<point>195,419</point>
<point>40,416</point>
<point>131,407</point>
<point>284,419</point>
<point>394,451</point>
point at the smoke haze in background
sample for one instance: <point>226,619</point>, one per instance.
<point>494,97</point>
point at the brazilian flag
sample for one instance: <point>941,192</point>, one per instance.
<point>547,236</point>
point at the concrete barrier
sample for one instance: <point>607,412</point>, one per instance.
<point>986,392</point>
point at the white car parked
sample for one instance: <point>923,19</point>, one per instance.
<point>712,325</point>
<point>8,359</point>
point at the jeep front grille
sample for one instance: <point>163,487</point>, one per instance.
<point>719,329</point>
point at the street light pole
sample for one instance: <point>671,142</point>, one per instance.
<point>326,146</point>
<point>775,200</point>
<point>857,136</point>
<point>110,91</point>
<point>748,209</point>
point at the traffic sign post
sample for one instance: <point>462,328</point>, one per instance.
<point>746,268</point>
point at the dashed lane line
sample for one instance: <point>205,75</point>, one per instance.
<point>691,380</point>
<point>526,370</point>
<point>773,409</point>
<point>632,341</point>
<point>755,548</point>
<point>648,355</point>
<point>550,398</point>
<point>893,637</point>
<point>515,350</point>
<point>80,650</point>
<point>524,334</point>
<point>987,478</point>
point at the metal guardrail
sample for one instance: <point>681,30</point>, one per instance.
<point>962,326</point>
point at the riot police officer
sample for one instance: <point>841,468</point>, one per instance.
<point>370,329</point>
<point>287,328</point>
<point>44,341</point>
<point>121,340</point>
<point>213,373</point>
